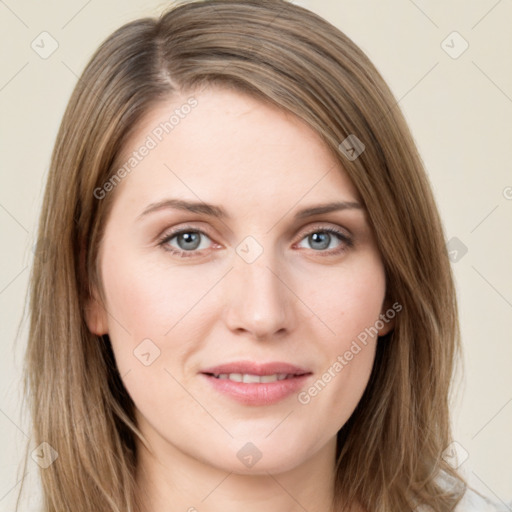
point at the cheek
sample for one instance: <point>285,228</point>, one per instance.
<point>157,314</point>
<point>148,299</point>
<point>350,300</point>
<point>350,307</point>
<point>147,307</point>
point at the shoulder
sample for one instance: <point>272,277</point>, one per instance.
<point>472,501</point>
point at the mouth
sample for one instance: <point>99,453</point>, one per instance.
<point>248,378</point>
<point>256,384</point>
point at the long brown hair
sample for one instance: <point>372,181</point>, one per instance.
<point>389,453</point>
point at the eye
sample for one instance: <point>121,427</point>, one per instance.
<point>321,239</point>
<point>185,242</point>
<point>188,241</point>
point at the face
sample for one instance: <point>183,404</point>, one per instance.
<point>242,285</point>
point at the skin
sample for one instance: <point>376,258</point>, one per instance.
<point>297,302</point>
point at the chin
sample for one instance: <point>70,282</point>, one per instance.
<point>274,463</point>
<point>262,454</point>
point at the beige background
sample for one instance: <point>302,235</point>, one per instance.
<point>460,113</point>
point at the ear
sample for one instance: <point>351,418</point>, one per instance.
<point>96,315</point>
<point>387,317</point>
<point>94,312</point>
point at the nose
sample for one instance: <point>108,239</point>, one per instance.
<point>259,302</point>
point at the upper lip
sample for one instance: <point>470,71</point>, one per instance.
<point>253,368</point>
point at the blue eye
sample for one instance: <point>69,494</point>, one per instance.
<point>322,239</point>
<point>188,242</point>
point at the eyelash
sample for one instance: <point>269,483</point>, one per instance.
<point>347,242</point>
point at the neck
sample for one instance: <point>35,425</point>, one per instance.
<point>167,477</point>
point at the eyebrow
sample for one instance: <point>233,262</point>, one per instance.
<point>218,212</point>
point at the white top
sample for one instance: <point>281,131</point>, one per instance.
<point>473,502</point>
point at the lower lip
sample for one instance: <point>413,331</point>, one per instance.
<point>258,393</point>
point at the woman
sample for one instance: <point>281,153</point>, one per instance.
<point>245,297</point>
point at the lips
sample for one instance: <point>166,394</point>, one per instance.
<point>252,368</point>
<point>253,383</point>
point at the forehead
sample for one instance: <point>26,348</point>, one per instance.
<point>207,143</point>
